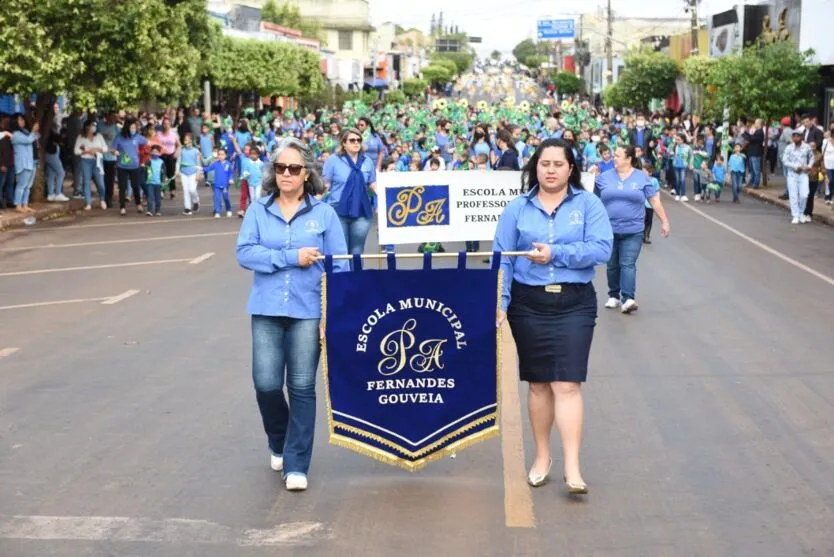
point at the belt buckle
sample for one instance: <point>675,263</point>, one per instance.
<point>553,288</point>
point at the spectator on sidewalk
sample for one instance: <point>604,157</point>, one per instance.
<point>6,164</point>
<point>23,141</point>
<point>89,146</point>
<point>109,129</point>
<point>754,139</point>
<point>815,176</point>
<point>797,160</point>
<point>828,165</point>
<point>54,168</point>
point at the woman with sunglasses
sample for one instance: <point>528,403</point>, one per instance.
<point>281,238</point>
<point>349,180</point>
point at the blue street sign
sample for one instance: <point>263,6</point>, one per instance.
<point>556,29</point>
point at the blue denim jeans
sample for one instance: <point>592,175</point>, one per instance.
<point>696,182</point>
<point>680,181</point>
<point>282,344</point>
<point>356,232</point>
<point>7,187</point>
<point>221,196</point>
<point>755,171</point>
<point>738,179</point>
<point>153,198</point>
<point>828,192</point>
<point>54,174</point>
<point>622,267</point>
<point>90,171</point>
<point>23,186</point>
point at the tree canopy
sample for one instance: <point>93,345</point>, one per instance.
<point>566,83</point>
<point>647,76</point>
<point>531,54</point>
<point>288,14</point>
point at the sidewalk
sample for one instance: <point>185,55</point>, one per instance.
<point>9,218</point>
<point>776,186</point>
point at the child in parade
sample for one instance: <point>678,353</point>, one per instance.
<point>719,175</point>
<point>738,166</point>
<point>648,168</point>
<point>252,168</point>
<point>606,162</point>
<point>681,161</point>
<point>188,166</point>
<point>224,177</point>
<point>699,157</point>
<point>153,184</point>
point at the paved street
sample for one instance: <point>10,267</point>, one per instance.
<point>128,423</point>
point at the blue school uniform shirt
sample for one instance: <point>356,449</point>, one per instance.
<point>578,233</point>
<point>336,172</point>
<point>206,146</point>
<point>605,166</point>
<point>683,154</point>
<point>372,148</point>
<point>719,173</point>
<point>655,187</point>
<point>189,161</point>
<point>737,163</point>
<point>255,169</point>
<point>156,166</point>
<point>223,173</point>
<point>268,245</point>
<point>624,200</point>
<point>128,148</point>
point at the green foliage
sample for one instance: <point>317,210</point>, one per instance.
<point>461,61</point>
<point>395,97</point>
<point>495,55</point>
<point>566,83</point>
<point>437,74</point>
<point>266,68</point>
<point>766,81</point>
<point>366,97</point>
<point>612,96</point>
<point>414,87</point>
<point>288,14</point>
<point>532,54</point>
<point>697,70</point>
<point>647,76</point>
<point>445,63</point>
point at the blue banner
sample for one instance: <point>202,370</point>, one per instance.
<point>410,361</point>
<point>417,206</point>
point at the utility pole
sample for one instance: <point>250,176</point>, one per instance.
<point>609,54</point>
<point>693,8</point>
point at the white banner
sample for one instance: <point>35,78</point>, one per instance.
<point>445,206</point>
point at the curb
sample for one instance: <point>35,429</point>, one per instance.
<point>14,220</point>
<point>758,194</point>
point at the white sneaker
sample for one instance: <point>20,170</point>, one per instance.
<point>217,215</point>
<point>795,221</point>
<point>276,462</point>
<point>697,197</point>
<point>103,206</point>
<point>677,198</point>
<point>50,198</point>
<point>612,303</point>
<point>296,482</point>
<point>61,198</point>
<point>229,214</point>
<point>806,218</point>
<point>629,306</point>
<point>684,198</point>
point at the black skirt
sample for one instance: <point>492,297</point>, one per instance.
<point>553,327</point>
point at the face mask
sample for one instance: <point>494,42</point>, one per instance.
<point>595,139</point>
<point>93,129</point>
<point>155,155</point>
<point>132,134</point>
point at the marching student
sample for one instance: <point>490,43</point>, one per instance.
<point>548,297</point>
<point>648,168</point>
<point>153,183</point>
<point>188,165</point>
<point>224,177</point>
<point>285,301</point>
<point>719,175</point>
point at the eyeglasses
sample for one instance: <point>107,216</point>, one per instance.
<point>353,140</point>
<point>281,168</point>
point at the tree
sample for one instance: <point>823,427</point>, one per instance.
<point>566,83</point>
<point>288,14</point>
<point>767,81</point>
<point>461,60</point>
<point>124,53</point>
<point>647,76</point>
<point>697,71</point>
<point>445,63</point>
<point>532,54</point>
<point>414,88</point>
<point>496,55</point>
<point>612,96</point>
<point>437,74</point>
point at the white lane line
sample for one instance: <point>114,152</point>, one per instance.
<point>123,223</point>
<point>5,352</point>
<point>127,241</point>
<point>90,267</point>
<point>204,257</point>
<point>762,246</point>
<point>123,296</point>
<point>167,531</point>
<point>53,303</point>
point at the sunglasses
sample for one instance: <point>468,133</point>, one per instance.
<point>353,140</point>
<point>281,168</point>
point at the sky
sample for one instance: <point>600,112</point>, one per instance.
<point>504,24</point>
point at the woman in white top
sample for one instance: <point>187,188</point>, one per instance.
<point>828,166</point>
<point>89,146</point>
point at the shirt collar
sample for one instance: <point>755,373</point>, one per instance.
<point>269,205</point>
<point>572,191</point>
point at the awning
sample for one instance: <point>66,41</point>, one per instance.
<point>376,83</point>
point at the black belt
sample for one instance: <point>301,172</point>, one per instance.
<point>555,288</point>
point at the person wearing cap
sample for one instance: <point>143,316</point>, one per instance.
<point>797,160</point>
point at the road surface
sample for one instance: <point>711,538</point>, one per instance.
<point>128,424</point>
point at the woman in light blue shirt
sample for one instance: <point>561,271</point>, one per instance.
<point>548,297</point>
<point>350,180</point>
<point>280,240</point>
<point>372,145</point>
<point>23,144</point>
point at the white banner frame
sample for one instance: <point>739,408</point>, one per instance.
<point>476,199</point>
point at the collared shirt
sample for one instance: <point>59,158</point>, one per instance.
<point>578,233</point>
<point>268,245</point>
<point>624,199</point>
<point>336,172</point>
<point>24,155</point>
<point>796,157</point>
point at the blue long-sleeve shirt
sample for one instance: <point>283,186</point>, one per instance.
<point>128,148</point>
<point>224,173</point>
<point>24,155</point>
<point>719,173</point>
<point>252,170</point>
<point>578,233</point>
<point>268,245</point>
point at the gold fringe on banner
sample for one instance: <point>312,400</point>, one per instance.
<point>392,459</point>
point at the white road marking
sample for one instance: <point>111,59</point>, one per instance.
<point>760,245</point>
<point>172,530</point>
<point>123,296</point>
<point>53,303</point>
<point>90,267</point>
<point>5,352</point>
<point>127,241</point>
<point>204,257</point>
<point>121,223</point>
